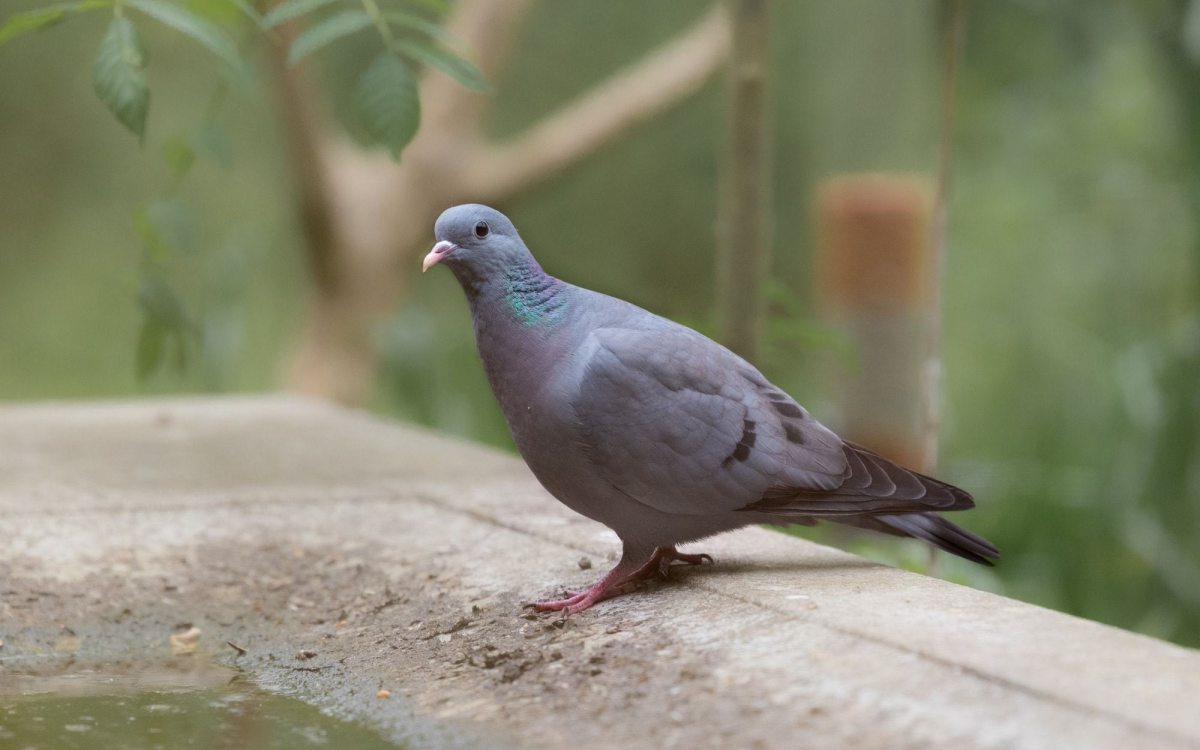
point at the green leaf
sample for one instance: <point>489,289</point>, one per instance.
<point>166,226</point>
<point>33,20</point>
<point>179,155</point>
<point>152,341</point>
<point>207,33</point>
<point>417,23</point>
<point>223,13</point>
<point>326,32</point>
<point>117,76</point>
<point>43,18</point>
<point>249,11</point>
<point>213,143</point>
<point>290,9</point>
<point>156,247</point>
<point>175,222</point>
<point>437,6</point>
<point>182,340</point>
<point>385,99</point>
<point>160,303</point>
<point>447,62</point>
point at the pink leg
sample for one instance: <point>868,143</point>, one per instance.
<point>610,585</point>
<point>580,601</point>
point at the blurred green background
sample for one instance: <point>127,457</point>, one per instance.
<point>1072,286</point>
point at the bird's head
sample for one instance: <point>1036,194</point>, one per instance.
<point>476,240</point>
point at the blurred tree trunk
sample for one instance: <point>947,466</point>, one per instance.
<point>745,211</point>
<point>368,219</point>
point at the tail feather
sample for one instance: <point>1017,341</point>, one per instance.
<point>934,529</point>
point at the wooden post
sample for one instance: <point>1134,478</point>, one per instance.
<point>876,284</point>
<point>882,245</point>
<point>745,211</point>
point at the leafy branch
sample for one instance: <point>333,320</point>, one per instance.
<point>385,94</point>
<point>385,99</point>
<point>363,215</point>
<point>118,73</point>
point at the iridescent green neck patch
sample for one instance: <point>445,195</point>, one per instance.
<point>535,298</point>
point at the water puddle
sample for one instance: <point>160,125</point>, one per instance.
<point>162,709</point>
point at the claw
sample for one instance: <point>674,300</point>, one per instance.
<point>617,581</point>
<point>552,605</point>
<point>686,559</point>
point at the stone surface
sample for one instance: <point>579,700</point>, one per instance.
<point>348,556</point>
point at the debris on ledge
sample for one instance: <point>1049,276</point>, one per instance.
<point>342,553</point>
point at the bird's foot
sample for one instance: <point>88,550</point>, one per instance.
<point>660,562</point>
<point>615,582</point>
<point>577,601</point>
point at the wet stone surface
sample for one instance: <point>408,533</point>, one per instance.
<point>310,621</point>
<point>163,707</point>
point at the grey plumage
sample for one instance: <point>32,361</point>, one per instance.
<point>655,430</point>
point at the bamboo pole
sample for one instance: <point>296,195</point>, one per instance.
<point>745,211</point>
<point>932,390</point>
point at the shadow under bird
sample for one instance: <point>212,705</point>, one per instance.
<point>655,430</point>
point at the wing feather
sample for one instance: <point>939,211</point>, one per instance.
<point>683,425</point>
<point>680,423</point>
<point>873,485</point>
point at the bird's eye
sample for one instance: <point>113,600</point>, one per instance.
<point>482,229</point>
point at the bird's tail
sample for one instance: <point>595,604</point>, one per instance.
<point>932,528</point>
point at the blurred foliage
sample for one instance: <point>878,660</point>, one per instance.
<point>1072,291</point>
<point>385,106</point>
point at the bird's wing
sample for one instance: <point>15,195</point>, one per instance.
<point>683,425</point>
<point>871,484</point>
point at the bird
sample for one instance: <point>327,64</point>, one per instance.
<point>657,431</point>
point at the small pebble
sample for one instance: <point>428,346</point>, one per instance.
<point>585,563</point>
<point>383,693</point>
<point>185,643</point>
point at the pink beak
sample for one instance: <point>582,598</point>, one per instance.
<point>439,251</point>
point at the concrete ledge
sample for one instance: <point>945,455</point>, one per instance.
<point>401,557</point>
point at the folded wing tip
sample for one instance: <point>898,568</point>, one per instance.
<point>872,485</point>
